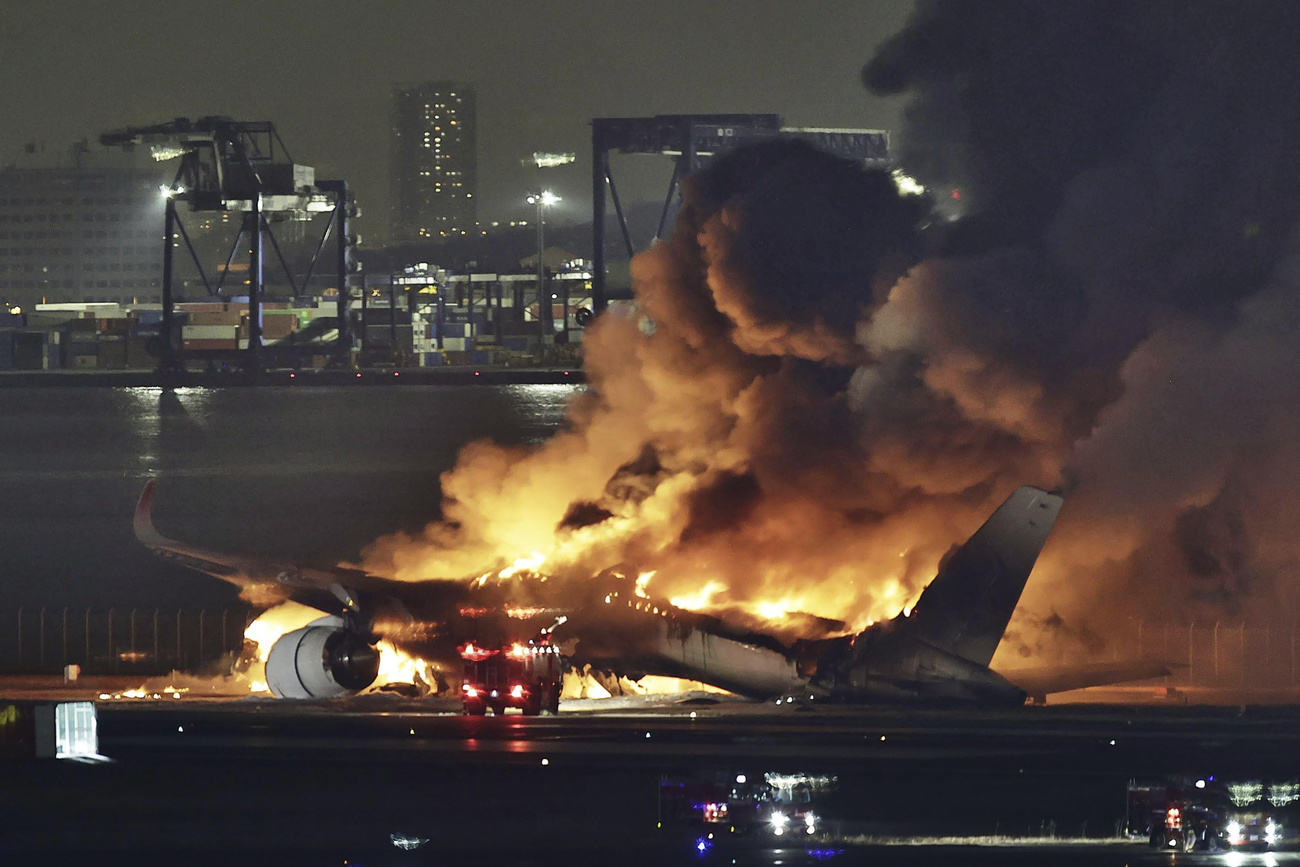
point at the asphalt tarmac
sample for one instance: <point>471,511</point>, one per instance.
<point>253,780</point>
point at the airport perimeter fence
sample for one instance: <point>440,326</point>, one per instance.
<point>1224,654</point>
<point>119,641</point>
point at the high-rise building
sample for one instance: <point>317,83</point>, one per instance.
<point>434,160</point>
<point>79,226</point>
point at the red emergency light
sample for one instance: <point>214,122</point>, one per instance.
<point>476,654</point>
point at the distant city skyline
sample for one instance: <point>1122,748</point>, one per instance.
<point>75,69</point>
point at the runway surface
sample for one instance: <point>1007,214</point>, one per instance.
<point>328,782</point>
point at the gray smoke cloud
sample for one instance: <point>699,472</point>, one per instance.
<point>1120,297</point>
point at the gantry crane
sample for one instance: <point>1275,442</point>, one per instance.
<point>242,166</point>
<point>689,139</point>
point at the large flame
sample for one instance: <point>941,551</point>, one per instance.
<point>708,456</point>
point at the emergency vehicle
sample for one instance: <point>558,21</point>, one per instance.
<point>525,676</point>
<point>1184,815</point>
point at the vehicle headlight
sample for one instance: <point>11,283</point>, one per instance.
<point>1234,832</point>
<point>779,821</point>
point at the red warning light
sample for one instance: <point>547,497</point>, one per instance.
<point>476,654</point>
<point>956,195</point>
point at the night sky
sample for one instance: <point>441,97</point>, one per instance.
<point>321,72</point>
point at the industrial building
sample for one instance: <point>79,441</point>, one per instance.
<point>79,226</point>
<point>433,160</point>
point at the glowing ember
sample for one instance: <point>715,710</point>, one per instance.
<point>774,610</point>
<point>530,563</point>
<point>529,613</point>
<point>274,622</point>
<point>143,692</point>
<point>652,684</point>
<point>643,581</point>
<point>584,684</point>
<point>700,599</point>
<point>397,666</point>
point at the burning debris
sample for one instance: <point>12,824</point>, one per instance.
<point>143,692</point>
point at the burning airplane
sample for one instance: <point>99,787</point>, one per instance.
<point>939,649</point>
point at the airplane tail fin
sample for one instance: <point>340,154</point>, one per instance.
<point>966,608</point>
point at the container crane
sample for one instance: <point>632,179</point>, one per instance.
<point>242,166</point>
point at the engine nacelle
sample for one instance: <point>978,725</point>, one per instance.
<point>321,660</point>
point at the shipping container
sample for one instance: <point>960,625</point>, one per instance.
<point>138,354</point>
<point>29,350</point>
<point>209,332</point>
<point>431,359</point>
<point>385,315</point>
<point>210,343</point>
<point>211,319</point>
<point>112,352</point>
<point>279,327</point>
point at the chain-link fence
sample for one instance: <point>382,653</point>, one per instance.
<point>117,640</point>
<point>1224,654</point>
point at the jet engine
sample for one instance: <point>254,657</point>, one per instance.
<point>321,660</point>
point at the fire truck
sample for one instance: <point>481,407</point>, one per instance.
<point>1208,814</point>
<point>525,676</point>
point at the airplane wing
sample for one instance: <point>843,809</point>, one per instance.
<point>1039,682</point>
<point>262,582</point>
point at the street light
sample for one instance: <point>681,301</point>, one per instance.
<point>543,200</point>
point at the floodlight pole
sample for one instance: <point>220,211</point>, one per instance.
<point>543,297</point>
